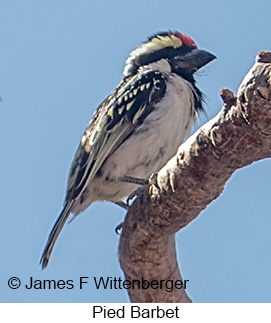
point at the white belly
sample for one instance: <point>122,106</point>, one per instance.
<point>152,144</point>
<point>158,138</point>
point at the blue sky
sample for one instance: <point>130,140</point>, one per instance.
<point>58,61</point>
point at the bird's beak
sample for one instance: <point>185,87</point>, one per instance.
<point>193,61</point>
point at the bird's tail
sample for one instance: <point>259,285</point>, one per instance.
<point>61,220</point>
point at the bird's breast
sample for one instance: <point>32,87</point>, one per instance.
<point>157,139</point>
<point>150,145</point>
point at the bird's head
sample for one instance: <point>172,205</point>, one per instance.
<point>178,49</point>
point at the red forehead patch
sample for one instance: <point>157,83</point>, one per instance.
<point>186,40</point>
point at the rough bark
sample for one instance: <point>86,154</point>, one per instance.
<point>239,135</point>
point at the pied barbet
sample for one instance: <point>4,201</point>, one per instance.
<point>137,128</point>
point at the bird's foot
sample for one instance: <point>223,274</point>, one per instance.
<point>151,181</point>
<point>139,181</point>
<point>134,194</point>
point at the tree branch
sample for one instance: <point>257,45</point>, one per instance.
<point>239,135</point>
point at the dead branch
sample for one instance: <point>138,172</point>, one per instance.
<point>239,135</point>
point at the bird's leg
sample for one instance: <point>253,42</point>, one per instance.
<point>151,181</point>
<point>135,193</point>
<point>139,181</point>
<point>134,180</point>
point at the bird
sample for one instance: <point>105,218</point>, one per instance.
<point>137,128</point>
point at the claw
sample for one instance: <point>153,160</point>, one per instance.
<point>139,181</point>
<point>118,228</point>
<point>135,194</point>
<point>153,179</point>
